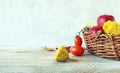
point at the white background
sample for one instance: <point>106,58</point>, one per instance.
<point>29,23</point>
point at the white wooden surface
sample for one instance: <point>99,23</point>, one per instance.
<point>38,60</point>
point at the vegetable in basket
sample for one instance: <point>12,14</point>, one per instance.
<point>104,18</point>
<point>95,29</point>
<point>100,23</point>
<point>111,27</point>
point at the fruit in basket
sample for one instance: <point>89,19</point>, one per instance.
<point>61,54</point>
<point>111,27</point>
<point>78,40</point>
<point>95,29</point>
<point>103,18</point>
<point>77,50</point>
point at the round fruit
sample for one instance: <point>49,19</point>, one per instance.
<point>78,40</point>
<point>77,50</point>
<point>103,18</point>
<point>95,29</point>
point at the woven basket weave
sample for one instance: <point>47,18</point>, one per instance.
<point>103,45</point>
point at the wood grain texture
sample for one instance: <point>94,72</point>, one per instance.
<point>38,60</point>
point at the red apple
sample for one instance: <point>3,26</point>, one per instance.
<point>95,29</point>
<point>103,18</point>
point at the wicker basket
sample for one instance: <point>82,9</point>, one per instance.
<point>103,45</point>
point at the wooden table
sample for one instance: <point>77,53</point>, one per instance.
<point>38,60</point>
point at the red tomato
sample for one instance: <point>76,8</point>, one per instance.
<point>78,40</point>
<point>77,50</point>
